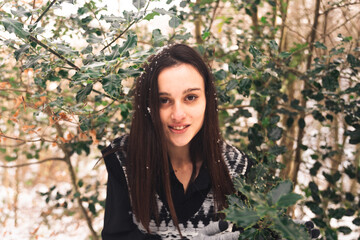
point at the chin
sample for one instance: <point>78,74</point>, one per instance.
<point>179,143</point>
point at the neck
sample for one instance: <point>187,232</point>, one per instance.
<point>179,156</point>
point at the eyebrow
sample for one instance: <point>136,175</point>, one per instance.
<point>184,92</point>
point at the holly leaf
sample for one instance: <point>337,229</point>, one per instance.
<point>280,190</point>
<point>288,199</point>
<point>83,93</point>
<point>139,3</point>
<point>174,22</point>
<point>112,85</point>
<point>130,43</point>
<point>14,26</point>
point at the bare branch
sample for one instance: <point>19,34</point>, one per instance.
<point>24,140</point>
<point>341,25</point>
<point>15,90</point>
<point>339,6</point>
<point>32,163</point>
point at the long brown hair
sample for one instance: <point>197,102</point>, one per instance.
<point>148,163</point>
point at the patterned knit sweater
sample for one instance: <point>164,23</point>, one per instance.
<point>237,162</point>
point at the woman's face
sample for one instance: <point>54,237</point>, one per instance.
<point>182,103</point>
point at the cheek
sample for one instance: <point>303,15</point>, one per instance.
<point>163,115</point>
<point>200,111</point>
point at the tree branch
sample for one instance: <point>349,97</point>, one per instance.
<point>214,13</point>
<point>32,163</point>
<point>233,107</point>
<point>120,35</point>
<point>339,6</point>
<point>33,39</point>
<point>42,15</point>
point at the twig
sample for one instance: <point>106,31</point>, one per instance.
<point>339,6</point>
<point>120,35</point>
<point>42,15</point>
<point>347,20</point>
<point>15,90</point>
<point>23,140</point>
<point>214,13</point>
<point>233,107</point>
<point>126,29</point>
<point>32,163</point>
<point>53,52</point>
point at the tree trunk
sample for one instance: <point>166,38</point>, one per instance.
<point>197,22</point>
<point>283,10</point>
<point>301,131</point>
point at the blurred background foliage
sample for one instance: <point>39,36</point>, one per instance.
<point>287,74</point>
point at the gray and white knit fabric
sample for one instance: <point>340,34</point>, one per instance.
<point>237,163</point>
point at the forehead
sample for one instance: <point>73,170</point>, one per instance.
<point>179,78</point>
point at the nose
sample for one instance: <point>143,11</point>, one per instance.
<point>178,112</point>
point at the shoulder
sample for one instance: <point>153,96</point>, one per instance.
<point>237,161</point>
<point>116,150</point>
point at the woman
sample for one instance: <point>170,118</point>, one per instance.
<point>170,176</point>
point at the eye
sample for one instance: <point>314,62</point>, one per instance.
<point>191,98</point>
<point>164,100</point>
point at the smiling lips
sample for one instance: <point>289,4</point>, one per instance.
<point>178,128</point>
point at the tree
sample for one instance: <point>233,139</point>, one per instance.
<point>279,81</point>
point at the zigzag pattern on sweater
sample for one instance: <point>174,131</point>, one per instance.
<point>237,163</point>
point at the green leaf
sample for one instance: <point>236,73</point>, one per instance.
<point>244,86</point>
<point>20,51</point>
<point>354,62</point>
<point>231,84</point>
<point>87,50</point>
<point>344,230</point>
<point>320,45</point>
<point>151,16</point>
<point>112,85</point>
<point>10,159</point>
<point>290,230</point>
<point>330,80</point>
<point>205,34</point>
<point>130,43</point>
<point>275,133</point>
<point>284,54</point>
<point>277,150</point>
<point>174,22</point>
<point>21,12</point>
<point>282,189</point>
<point>220,75</point>
<point>314,207</point>
<point>330,234</point>
<point>288,200</point>
<point>83,93</point>
<point>92,208</point>
<point>139,3</point>
<point>14,26</point>
<point>273,45</point>
<point>241,217</point>
<point>337,213</point>
<point>255,52</point>
<point>80,183</point>
<point>301,123</point>
<point>356,221</point>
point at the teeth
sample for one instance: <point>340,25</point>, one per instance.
<point>179,128</point>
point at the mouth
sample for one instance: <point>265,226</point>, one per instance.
<point>178,129</point>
